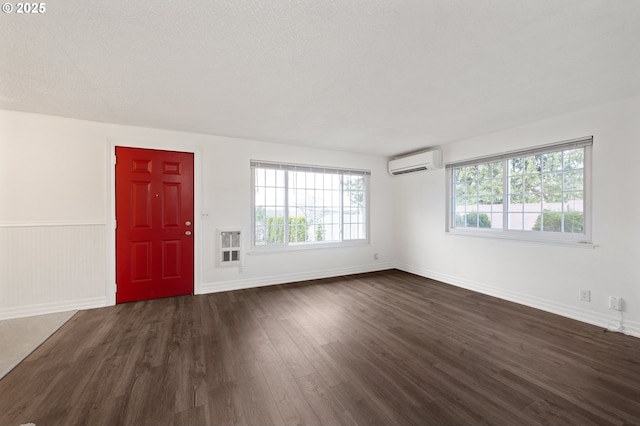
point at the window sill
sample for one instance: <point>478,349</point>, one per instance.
<point>525,239</point>
<point>256,251</point>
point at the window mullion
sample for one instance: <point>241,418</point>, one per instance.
<point>341,209</point>
<point>543,188</point>
<point>586,191</point>
<point>254,172</point>
<point>286,208</point>
<point>505,195</point>
<point>562,194</point>
<point>477,195</point>
<point>452,190</point>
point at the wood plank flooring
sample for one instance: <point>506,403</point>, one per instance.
<point>386,348</point>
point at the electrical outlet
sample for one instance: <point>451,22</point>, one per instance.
<point>585,295</point>
<point>615,303</point>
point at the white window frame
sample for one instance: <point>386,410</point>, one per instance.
<point>583,238</point>
<point>290,167</point>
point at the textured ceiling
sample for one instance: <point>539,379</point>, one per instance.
<point>383,76</point>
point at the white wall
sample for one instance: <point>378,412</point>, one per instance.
<point>545,276</point>
<point>56,211</point>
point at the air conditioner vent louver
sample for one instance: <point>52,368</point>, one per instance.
<point>430,160</point>
<point>401,172</point>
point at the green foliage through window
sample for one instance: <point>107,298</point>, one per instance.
<point>297,229</point>
<point>559,222</point>
<point>473,220</point>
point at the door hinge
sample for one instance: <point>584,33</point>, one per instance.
<point>115,160</point>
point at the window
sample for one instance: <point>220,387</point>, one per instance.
<point>541,193</point>
<point>297,204</point>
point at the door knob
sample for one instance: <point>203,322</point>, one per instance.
<point>187,223</point>
<point>187,233</point>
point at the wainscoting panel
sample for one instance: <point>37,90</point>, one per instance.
<point>48,268</point>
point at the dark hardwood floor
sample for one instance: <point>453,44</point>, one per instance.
<point>386,348</point>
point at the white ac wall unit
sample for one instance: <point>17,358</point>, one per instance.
<point>430,160</point>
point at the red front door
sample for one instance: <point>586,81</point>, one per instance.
<point>154,219</point>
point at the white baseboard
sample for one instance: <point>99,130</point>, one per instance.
<point>584,315</point>
<point>291,278</point>
<point>52,307</point>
